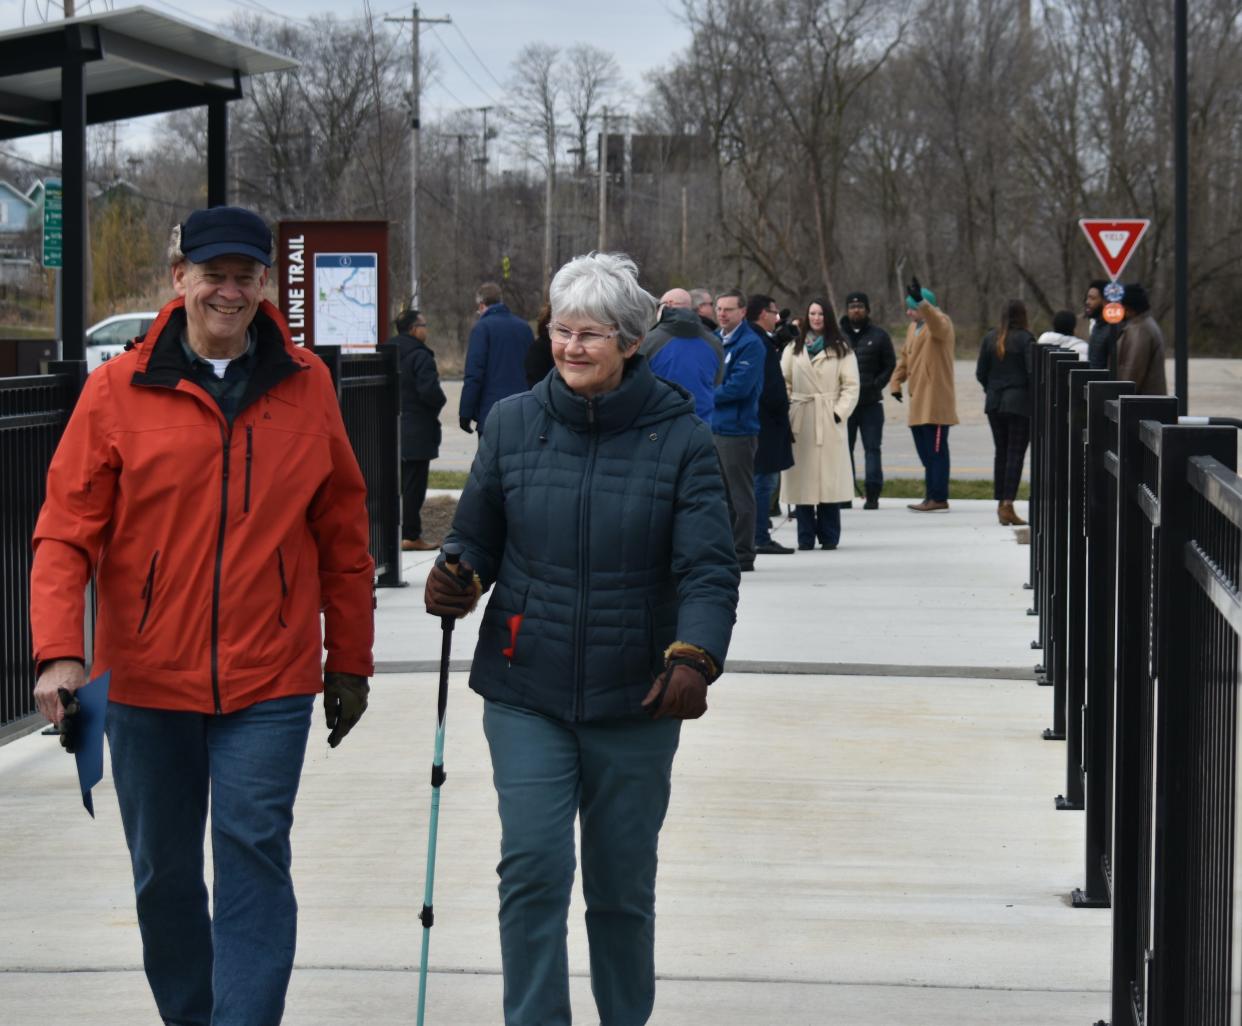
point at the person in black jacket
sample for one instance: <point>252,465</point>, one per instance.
<point>775,449</point>
<point>876,360</point>
<point>1102,341</point>
<point>421,401</point>
<point>539,355</point>
<point>1003,370</point>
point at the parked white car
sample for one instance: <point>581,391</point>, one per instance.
<point>107,338</point>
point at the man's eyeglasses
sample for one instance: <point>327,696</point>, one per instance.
<point>562,336</point>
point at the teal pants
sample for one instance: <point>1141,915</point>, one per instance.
<point>615,775</point>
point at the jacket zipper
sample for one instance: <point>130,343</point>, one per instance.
<point>148,591</point>
<point>284,587</point>
<point>226,438</point>
<point>249,459</point>
<point>584,573</point>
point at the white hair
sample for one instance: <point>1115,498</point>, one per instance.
<point>604,287</point>
<point>175,256</point>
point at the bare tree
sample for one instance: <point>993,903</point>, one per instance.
<point>535,88</point>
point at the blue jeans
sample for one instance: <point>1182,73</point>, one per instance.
<point>822,522</point>
<point>932,443</point>
<point>765,488</point>
<point>230,969</point>
<point>614,775</point>
<point>869,420</point>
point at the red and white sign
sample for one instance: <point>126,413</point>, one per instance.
<point>1114,241</point>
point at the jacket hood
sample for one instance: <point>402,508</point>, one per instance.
<point>680,323</point>
<point>267,319</point>
<point>640,400</point>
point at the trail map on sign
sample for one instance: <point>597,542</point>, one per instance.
<point>346,300</point>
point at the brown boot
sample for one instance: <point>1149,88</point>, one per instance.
<point>1008,515</point>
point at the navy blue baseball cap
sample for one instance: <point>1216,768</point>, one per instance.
<point>226,231</point>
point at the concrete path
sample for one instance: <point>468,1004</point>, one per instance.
<point>872,846</point>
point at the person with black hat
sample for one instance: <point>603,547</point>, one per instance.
<point>1140,346</point>
<point>876,360</point>
<point>206,482</point>
<point>422,398</point>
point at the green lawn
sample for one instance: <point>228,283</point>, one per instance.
<point>894,488</point>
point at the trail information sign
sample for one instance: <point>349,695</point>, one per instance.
<point>1114,241</point>
<point>53,224</point>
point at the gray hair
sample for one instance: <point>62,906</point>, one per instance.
<point>604,287</point>
<point>175,256</point>
<point>699,296</point>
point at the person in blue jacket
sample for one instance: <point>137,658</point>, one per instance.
<point>595,514</point>
<point>495,358</point>
<point>735,418</point>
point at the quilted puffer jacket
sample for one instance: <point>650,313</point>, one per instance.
<point>602,529</point>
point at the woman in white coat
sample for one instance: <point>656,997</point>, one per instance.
<point>821,374</point>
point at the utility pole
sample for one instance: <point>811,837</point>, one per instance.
<point>416,22</point>
<point>482,161</point>
<point>685,228</point>
<point>603,183</point>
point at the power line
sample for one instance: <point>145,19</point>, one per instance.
<point>439,80</point>
<point>479,59</point>
<point>461,66</point>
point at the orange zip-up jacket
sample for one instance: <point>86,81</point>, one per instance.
<point>214,549</point>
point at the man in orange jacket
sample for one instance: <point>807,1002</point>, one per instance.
<point>206,480</point>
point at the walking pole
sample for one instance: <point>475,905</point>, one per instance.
<point>452,556</point>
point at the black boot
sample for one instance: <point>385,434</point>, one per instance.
<point>873,499</point>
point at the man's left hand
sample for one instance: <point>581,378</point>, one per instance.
<point>344,702</point>
<point>685,694</point>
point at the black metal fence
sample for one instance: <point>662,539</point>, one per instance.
<point>33,414</point>
<point>1137,587</point>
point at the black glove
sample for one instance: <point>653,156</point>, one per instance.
<point>897,396</point>
<point>679,692</point>
<point>69,725</point>
<point>465,423</point>
<point>344,702</point>
<point>915,291</point>
<point>835,417</point>
<point>451,594</point>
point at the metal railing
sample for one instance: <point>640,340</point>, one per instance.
<point>369,388</point>
<point>33,414</point>
<point>1137,587</point>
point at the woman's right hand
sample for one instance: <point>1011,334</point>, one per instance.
<point>451,594</point>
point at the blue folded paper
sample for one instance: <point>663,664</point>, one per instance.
<point>92,705</point>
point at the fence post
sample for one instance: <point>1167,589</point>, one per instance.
<point>1070,662</point>
<point>1053,430</point>
<point>389,421</point>
<point>1133,541</point>
<point>1176,812</point>
<point>1099,630</point>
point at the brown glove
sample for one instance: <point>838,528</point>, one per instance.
<point>452,594</point>
<point>679,692</point>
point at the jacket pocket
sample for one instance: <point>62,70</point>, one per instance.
<point>284,587</point>
<point>148,590</point>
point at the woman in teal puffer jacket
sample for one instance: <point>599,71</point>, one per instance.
<point>596,514</point>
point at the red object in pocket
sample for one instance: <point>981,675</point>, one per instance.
<point>515,625</point>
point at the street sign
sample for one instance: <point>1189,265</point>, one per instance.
<point>1113,313</point>
<point>1114,240</point>
<point>53,224</point>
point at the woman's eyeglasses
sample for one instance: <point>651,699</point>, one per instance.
<point>562,336</point>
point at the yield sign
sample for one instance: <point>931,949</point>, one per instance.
<point>1114,241</point>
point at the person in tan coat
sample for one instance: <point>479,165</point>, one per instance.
<point>1140,346</point>
<point>821,374</point>
<point>925,366</point>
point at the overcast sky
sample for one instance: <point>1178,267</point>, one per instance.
<point>642,34</point>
